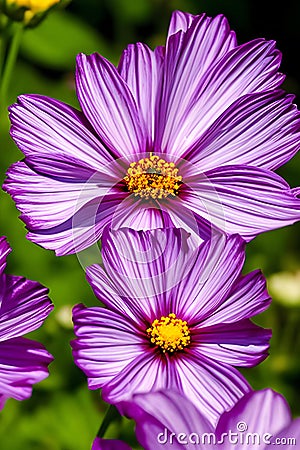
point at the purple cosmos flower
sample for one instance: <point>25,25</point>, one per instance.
<point>186,135</point>
<point>24,306</point>
<point>178,321</point>
<point>166,419</point>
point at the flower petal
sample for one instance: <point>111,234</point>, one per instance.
<point>140,215</point>
<point>23,362</point>
<point>246,200</point>
<point>65,217</point>
<point>157,272</point>
<point>216,266</point>
<point>145,264</point>
<point>272,413</point>
<point>44,201</point>
<point>56,138</point>
<point>248,297</point>
<point>181,21</point>
<point>3,399</point>
<point>289,436</point>
<point>105,344</point>
<point>258,129</point>
<point>140,270</point>
<point>242,344</point>
<point>109,105</point>
<point>189,56</point>
<point>161,413</point>
<point>205,73</point>
<point>150,274</point>
<point>140,67</point>
<point>109,444</point>
<point>24,306</point>
<point>213,387</point>
<point>119,297</point>
<point>4,251</point>
<point>148,372</point>
<point>181,216</point>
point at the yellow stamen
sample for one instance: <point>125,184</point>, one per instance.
<point>153,177</point>
<point>169,333</point>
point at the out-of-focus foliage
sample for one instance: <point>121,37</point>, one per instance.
<point>57,51</point>
<point>62,414</point>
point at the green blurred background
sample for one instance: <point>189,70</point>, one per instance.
<point>62,414</point>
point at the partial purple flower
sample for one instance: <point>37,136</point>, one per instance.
<point>24,306</point>
<point>168,420</point>
<point>109,444</point>
<point>178,321</point>
<point>186,135</point>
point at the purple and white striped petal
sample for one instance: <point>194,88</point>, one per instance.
<point>181,216</point>
<point>106,344</point>
<point>212,387</point>
<point>141,68</point>
<point>181,21</point>
<point>24,306</point>
<point>136,214</point>
<point>108,103</point>
<point>146,373</point>
<point>146,263</point>
<point>46,202</point>
<point>248,297</point>
<point>23,362</point>
<point>229,74</point>
<point>257,129</point>
<point>244,344</point>
<point>189,55</point>
<point>249,200</point>
<point>217,265</point>
<point>4,251</point>
<point>161,413</point>
<point>57,140</point>
<point>119,296</point>
<point>74,221</point>
<point>262,411</point>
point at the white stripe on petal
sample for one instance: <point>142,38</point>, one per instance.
<point>108,103</point>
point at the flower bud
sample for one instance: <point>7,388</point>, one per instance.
<point>30,12</point>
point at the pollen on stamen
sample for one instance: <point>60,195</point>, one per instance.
<point>153,177</point>
<point>169,333</point>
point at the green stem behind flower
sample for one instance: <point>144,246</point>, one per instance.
<point>9,63</point>
<point>111,415</point>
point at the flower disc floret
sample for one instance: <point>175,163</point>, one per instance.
<point>169,333</point>
<point>153,177</point>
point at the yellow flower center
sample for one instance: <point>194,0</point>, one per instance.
<point>153,177</point>
<point>169,333</point>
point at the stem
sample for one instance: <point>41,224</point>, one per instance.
<point>111,414</point>
<point>10,62</point>
<point>5,26</point>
